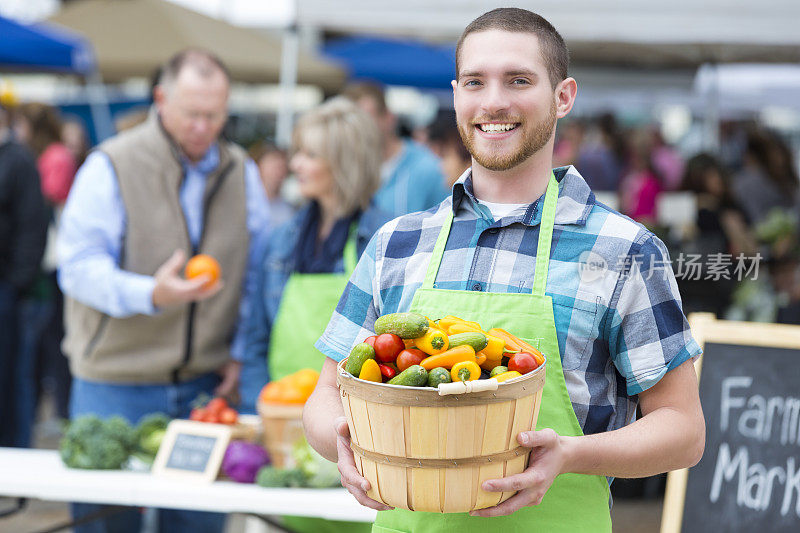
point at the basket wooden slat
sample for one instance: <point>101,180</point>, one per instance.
<point>431,453</point>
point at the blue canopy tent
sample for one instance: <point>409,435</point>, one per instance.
<point>40,47</point>
<point>47,48</point>
<point>394,61</point>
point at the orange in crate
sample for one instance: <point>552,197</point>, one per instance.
<point>280,405</point>
<point>203,264</point>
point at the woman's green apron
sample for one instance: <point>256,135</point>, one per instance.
<point>575,502</point>
<point>307,303</point>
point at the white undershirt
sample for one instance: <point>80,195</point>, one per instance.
<point>503,210</point>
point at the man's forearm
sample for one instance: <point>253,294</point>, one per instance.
<point>322,408</point>
<point>663,440</point>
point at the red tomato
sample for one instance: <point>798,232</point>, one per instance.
<point>409,357</point>
<point>387,371</point>
<point>522,362</point>
<point>387,347</point>
<point>197,414</point>
<point>228,416</point>
<point>371,340</point>
<point>216,405</point>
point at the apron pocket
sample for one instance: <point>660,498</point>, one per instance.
<point>580,320</point>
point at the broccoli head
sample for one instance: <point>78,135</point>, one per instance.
<point>92,443</point>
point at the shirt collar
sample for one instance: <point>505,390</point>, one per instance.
<point>207,164</point>
<point>575,198</point>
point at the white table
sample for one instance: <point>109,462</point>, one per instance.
<point>41,474</point>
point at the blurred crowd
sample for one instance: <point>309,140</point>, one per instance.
<point>347,172</point>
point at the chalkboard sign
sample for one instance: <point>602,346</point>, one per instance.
<point>749,477</point>
<point>192,450</point>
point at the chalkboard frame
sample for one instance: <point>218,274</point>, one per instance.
<point>707,328</point>
<point>222,435</point>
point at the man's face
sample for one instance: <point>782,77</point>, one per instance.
<point>194,110</point>
<point>505,105</point>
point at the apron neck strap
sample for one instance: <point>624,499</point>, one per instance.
<point>542,252</point>
<point>350,252</point>
<point>545,236</point>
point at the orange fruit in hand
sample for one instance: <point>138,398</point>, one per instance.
<point>203,264</point>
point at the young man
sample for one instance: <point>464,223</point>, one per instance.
<point>614,333</point>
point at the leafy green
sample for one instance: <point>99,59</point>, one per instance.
<point>92,443</point>
<point>149,434</point>
<point>319,472</point>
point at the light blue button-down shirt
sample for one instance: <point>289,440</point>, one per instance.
<point>92,228</point>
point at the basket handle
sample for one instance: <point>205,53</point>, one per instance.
<point>462,387</point>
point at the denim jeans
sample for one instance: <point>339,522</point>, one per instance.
<point>8,357</point>
<point>133,401</point>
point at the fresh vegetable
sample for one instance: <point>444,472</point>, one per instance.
<point>387,347</point>
<point>149,434</point>
<point>228,416</point>
<point>433,342</point>
<point>359,354</point>
<point>197,414</point>
<point>450,320</point>
<point>317,472</point>
<point>388,372</point>
<point>413,376</point>
<point>92,443</point>
<point>522,362</point>
<point>243,460</point>
<point>465,371</point>
<point>405,325</point>
<point>450,357</point>
<point>292,389</point>
<point>408,357</point>
<point>438,375</point>
<point>476,339</point>
<point>371,340</point>
<point>505,376</point>
<point>216,405</point>
<point>272,477</point>
<point>370,371</point>
<point>464,327</point>
<point>515,343</point>
<point>496,371</point>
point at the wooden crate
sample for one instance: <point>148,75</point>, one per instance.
<point>282,428</point>
<point>425,452</point>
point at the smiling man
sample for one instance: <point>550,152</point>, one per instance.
<point>510,249</point>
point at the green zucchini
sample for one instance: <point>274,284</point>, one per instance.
<point>413,376</point>
<point>438,375</point>
<point>359,354</point>
<point>404,325</point>
<point>476,339</point>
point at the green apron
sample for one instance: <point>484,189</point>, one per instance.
<point>307,303</point>
<point>575,502</point>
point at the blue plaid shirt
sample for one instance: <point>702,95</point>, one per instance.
<point>617,310</point>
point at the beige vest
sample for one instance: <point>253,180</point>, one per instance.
<point>183,341</point>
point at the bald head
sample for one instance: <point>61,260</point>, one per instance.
<point>192,100</point>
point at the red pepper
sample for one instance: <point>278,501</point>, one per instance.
<point>387,371</point>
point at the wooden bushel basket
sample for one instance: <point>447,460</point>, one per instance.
<point>425,452</point>
<point>283,427</point>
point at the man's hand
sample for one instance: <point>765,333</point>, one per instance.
<point>172,289</point>
<point>547,460</point>
<point>229,386</point>
<point>351,479</point>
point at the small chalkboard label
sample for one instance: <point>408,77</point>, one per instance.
<point>192,450</point>
<point>749,477</point>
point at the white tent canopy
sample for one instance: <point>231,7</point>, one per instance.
<point>624,32</point>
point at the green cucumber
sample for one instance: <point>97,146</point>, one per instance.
<point>404,325</point>
<point>498,370</point>
<point>359,354</point>
<point>438,375</point>
<point>476,339</point>
<point>413,376</point>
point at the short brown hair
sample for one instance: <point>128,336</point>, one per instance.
<point>357,91</point>
<point>512,19</point>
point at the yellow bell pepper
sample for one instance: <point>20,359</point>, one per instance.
<point>445,323</point>
<point>465,352</point>
<point>465,371</point>
<point>433,342</point>
<point>370,371</point>
<point>505,376</point>
<point>464,327</point>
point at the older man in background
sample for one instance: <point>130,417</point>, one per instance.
<point>139,337</point>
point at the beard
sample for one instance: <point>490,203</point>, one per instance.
<point>534,138</point>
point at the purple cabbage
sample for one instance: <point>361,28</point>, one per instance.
<point>243,460</point>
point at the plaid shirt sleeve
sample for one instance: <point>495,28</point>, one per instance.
<point>358,308</point>
<point>649,334</point>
